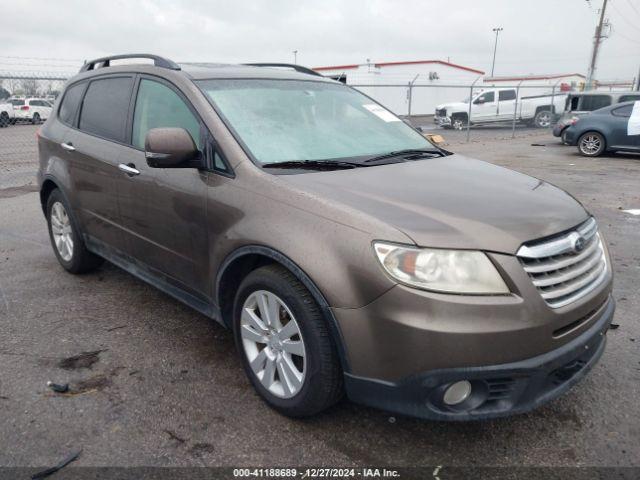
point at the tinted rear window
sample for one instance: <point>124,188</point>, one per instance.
<point>628,98</point>
<point>16,103</point>
<point>622,111</point>
<point>70,102</point>
<point>590,103</point>
<point>105,107</point>
<point>506,95</point>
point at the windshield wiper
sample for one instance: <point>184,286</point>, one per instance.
<point>409,154</point>
<point>314,164</point>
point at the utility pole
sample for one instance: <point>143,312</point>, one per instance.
<point>596,46</point>
<point>295,57</point>
<point>495,47</point>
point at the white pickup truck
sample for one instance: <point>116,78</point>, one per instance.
<point>499,105</point>
<point>7,116</point>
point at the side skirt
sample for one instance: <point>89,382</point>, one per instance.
<point>153,277</point>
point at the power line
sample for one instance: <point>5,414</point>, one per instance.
<point>624,17</point>
<point>633,6</point>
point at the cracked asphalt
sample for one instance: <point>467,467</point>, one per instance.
<point>153,383</point>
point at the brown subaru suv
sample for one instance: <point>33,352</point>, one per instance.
<point>346,252</point>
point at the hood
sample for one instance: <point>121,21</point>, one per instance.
<point>453,105</point>
<point>451,202</point>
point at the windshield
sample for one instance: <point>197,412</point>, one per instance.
<point>294,120</point>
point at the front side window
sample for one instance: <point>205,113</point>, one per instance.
<point>70,102</point>
<point>105,108</point>
<point>295,120</point>
<point>487,97</point>
<point>158,106</point>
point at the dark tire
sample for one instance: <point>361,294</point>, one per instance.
<point>458,122</point>
<point>563,137</point>
<point>73,256</point>
<point>542,119</point>
<point>4,120</point>
<point>592,144</point>
<point>36,119</point>
<point>321,385</point>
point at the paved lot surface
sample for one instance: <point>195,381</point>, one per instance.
<point>161,384</point>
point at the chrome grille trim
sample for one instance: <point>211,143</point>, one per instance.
<point>561,273</point>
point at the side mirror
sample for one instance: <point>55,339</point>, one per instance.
<point>170,148</point>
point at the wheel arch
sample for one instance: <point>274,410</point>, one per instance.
<point>243,261</point>
<point>48,186</point>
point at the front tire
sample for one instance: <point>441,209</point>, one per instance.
<point>4,120</point>
<point>66,241</point>
<point>591,144</point>
<point>287,351</point>
<point>36,119</point>
<point>459,122</point>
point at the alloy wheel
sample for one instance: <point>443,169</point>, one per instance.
<point>273,344</point>
<point>62,232</point>
<point>590,144</point>
<point>543,119</point>
<point>458,124</point>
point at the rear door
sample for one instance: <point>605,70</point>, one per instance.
<point>164,209</point>
<point>484,107</point>
<point>618,136</point>
<point>506,104</point>
<point>95,144</point>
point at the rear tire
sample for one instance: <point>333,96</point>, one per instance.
<point>591,144</point>
<point>66,240</point>
<point>542,119</point>
<point>295,369</point>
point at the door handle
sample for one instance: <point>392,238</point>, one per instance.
<point>68,147</point>
<point>129,168</point>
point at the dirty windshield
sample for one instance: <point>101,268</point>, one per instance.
<point>292,120</point>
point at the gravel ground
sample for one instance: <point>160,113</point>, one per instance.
<point>157,384</point>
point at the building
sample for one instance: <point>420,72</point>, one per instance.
<point>388,82</point>
<point>416,87</point>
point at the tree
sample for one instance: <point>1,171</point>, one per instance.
<point>30,87</point>
<point>4,93</point>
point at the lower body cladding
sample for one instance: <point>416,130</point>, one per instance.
<point>470,379</point>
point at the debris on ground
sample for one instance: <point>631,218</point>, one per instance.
<point>614,326</point>
<point>58,387</point>
<point>174,436</point>
<point>83,360</point>
<point>50,471</point>
<point>538,145</point>
<point>435,138</point>
<point>632,211</point>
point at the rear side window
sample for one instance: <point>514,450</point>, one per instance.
<point>506,95</point>
<point>622,111</point>
<point>158,106</point>
<point>628,98</point>
<point>16,103</point>
<point>70,102</point>
<point>594,102</point>
<point>105,108</point>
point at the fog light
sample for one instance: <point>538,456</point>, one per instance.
<point>457,393</point>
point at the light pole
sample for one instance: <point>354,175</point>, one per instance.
<point>495,47</point>
<point>295,57</point>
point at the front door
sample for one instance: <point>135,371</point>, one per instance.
<point>163,210</point>
<point>484,107</point>
<point>619,136</point>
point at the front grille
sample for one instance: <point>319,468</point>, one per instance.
<point>567,267</point>
<point>441,113</point>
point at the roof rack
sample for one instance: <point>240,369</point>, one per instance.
<point>297,68</point>
<point>106,61</point>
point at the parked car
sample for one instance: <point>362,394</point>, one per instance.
<point>6,114</point>
<point>581,104</point>
<point>605,130</point>
<point>345,251</point>
<point>34,110</point>
<point>499,105</point>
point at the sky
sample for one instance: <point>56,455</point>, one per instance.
<point>539,36</point>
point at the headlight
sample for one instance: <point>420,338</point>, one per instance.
<point>448,271</point>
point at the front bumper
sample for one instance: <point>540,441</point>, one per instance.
<point>497,390</point>
<point>571,136</point>
<point>442,121</point>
